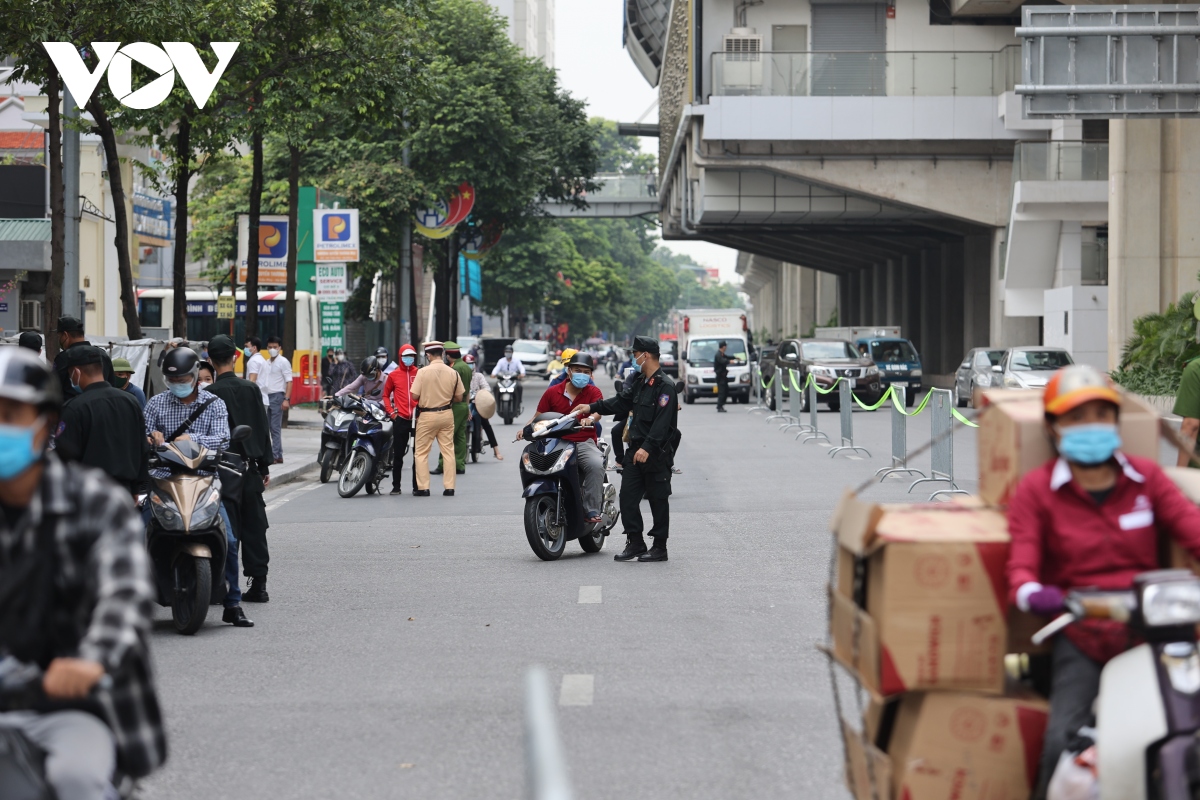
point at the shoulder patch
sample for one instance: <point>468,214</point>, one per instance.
<point>62,426</point>
<point>663,399</point>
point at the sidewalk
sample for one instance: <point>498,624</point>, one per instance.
<point>301,441</point>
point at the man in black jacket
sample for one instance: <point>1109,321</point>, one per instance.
<point>70,334</point>
<point>243,400</point>
<point>721,371</point>
<point>653,403</point>
<point>102,426</point>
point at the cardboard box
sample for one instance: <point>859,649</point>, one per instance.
<point>928,607</point>
<point>949,746</point>
<point>1188,481</point>
<point>1013,439</point>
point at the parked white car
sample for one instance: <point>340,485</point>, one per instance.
<point>1030,367</point>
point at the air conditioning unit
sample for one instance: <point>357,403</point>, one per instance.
<point>31,315</point>
<point>742,53</point>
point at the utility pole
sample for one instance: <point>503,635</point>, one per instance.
<point>70,291</point>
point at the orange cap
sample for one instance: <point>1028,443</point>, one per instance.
<point>1075,385</point>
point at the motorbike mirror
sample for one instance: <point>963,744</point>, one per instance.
<point>241,433</point>
<point>679,386</point>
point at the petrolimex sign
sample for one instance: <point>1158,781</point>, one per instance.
<point>117,61</point>
<point>336,237</point>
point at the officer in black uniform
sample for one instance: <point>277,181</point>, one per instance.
<point>102,426</point>
<point>70,335</point>
<point>652,401</point>
<point>243,401</point>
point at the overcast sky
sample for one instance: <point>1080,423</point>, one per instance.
<point>593,66</point>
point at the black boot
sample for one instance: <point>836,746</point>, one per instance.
<point>236,616</point>
<point>634,547</point>
<point>257,593</point>
<point>657,552</point>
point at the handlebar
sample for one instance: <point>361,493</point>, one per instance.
<point>1090,604</point>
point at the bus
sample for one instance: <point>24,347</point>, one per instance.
<point>156,307</point>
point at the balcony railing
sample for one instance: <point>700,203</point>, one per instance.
<point>867,74</point>
<point>1060,161</point>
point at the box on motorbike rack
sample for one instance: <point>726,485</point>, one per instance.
<point>946,746</point>
<point>1013,439</point>
<point>920,597</point>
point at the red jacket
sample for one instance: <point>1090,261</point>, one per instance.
<point>1061,537</point>
<point>555,399</point>
<point>397,389</point>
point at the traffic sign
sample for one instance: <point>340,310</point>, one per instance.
<point>331,283</point>
<point>225,307</point>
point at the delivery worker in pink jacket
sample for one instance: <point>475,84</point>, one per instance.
<point>1090,518</point>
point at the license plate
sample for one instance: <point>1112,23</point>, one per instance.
<point>901,384</point>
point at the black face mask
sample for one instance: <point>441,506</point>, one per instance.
<point>121,382</point>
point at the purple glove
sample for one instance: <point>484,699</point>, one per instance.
<point>1047,601</point>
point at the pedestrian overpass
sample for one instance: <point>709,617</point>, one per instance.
<point>620,195</point>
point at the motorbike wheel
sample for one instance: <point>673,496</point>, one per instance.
<point>358,469</point>
<point>190,604</point>
<point>508,420</point>
<point>539,530</point>
<point>593,542</point>
<point>326,465</point>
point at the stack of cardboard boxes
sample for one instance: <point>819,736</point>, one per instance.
<point>920,616</point>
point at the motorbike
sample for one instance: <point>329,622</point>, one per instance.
<point>507,406</point>
<point>22,763</point>
<point>553,494</point>
<point>335,434</point>
<point>1148,709</point>
<point>185,535</point>
<point>370,457</point>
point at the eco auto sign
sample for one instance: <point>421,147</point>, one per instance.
<point>172,57</point>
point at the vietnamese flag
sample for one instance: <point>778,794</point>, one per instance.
<point>462,200</point>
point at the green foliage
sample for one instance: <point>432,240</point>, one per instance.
<point>1161,346</point>
<point>620,153</point>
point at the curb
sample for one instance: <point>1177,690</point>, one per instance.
<point>285,477</point>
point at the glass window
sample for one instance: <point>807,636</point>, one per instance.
<point>988,358</point>
<point>818,350</point>
<point>701,351</point>
<point>529,347</point>
<point>150,312</point>
<point>1039,360</point>
<point>896,352</point>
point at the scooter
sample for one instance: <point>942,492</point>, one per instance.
<point>335,434</point>
<point>22,763</point>
<point>553,494</point>
<point>506,397</point>
<point>1148,709</point>
<point>370,459</point>
<point>185,535</point>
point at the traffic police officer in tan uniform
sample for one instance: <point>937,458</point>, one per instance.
<point>652,401</point>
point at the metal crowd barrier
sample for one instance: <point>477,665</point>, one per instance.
<point>795,396</point>
<point>847,412</point>
<point>777,379</point>
<point>756,387</point>
<point>899,438</point>
<point>941,455</point>
<point>812,428</point>
<point>546,767</point>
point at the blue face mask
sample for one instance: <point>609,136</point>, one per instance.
<point>579,380</point>
<point>181,390</point>
<point>636,366</point>
<point>408,361</point>
<point>16,450</point>
<point>1089,444</point>
<point>76,386</point>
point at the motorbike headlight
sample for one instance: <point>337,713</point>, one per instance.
<point>916,373</point>
<point>693,379</point>
<point>563,458</point>
<point>206,514</point>
<point>165,513</point>
<point>1171,603</point>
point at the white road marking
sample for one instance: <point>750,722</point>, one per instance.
<point>589,594</point>
<point>854,458</point>
<point>577,690</point>
<point>276,504</point>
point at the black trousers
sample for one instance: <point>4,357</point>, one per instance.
<point>618,432</point>
<point>478,428</point>
<point>1076,684</point>
<point>401,435</point>
<point>654,484</point>
<point>722,390</point>
<point>252,527</point>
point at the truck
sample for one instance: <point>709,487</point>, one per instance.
<point>699,331</point>
<point>897,359</point>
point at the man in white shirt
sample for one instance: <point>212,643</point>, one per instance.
<point>510,366</point>
<point>274,378</point>
<point>255,363</point>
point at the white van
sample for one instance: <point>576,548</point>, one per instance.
<point>700,332</point>
<point>534,355</point>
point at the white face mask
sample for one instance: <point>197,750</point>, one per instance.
<point>205,384</point>
<point>274,351</point>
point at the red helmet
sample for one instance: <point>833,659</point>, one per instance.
<point>470,359</point>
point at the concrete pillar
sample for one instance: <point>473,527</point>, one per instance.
<point>1005,331</point>
<point>878,294</point>
<point>910,298</point>
<point>953,348</point>
<point>931,309</point>
<point>845,298</point>
<point>1153,241</point>
<point>808,299</point>
<point>894,292</point>
<point>1068,263</point>
<point>828,286</point>
<point>977,262</point>
<point>866,295</point>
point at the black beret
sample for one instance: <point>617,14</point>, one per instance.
<point>221,347</point>
<point>644,344</point>
<point>82,355</point>
<point>69,325</point>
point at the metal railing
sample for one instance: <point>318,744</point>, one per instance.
<point>1060,161</point>
<point>941,455</point>
<point>846,407</point>
<point>899,439</point>
<point>625,186</point>
<point>892,73</point>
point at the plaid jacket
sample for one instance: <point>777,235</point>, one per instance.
<point>104,568</point>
